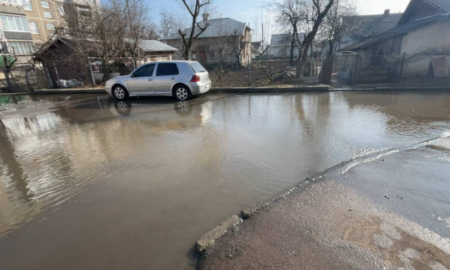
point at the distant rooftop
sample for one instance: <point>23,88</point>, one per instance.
<point>399,30</point>
<point>363,26</point>
<point>441,4</point>
<point>155,46</point>
<point>217,28</point>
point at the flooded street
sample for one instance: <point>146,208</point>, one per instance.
<point>87,183</point>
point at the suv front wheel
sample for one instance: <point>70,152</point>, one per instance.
<point>182,93</point>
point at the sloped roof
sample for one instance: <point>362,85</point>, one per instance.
<point>216,28</point>
<point>399,30</point>
<point>369,25</point>
<point>441,4</point>
<point>155,46</point>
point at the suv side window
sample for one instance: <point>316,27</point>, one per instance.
<point>168,69</point>
<point>145,71</point>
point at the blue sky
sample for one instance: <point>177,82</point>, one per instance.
<point>244,10</point>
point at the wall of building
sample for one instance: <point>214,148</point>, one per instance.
<point>425,43</point>
<point>36,15</point>
<point>206,50</point>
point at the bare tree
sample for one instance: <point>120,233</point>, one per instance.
<point>334,28</point>
<point>317,11</point>
<point>238,45</point>
<point>137,26</point>
<point>221,52</point>
<point>168,24</point>
<point>290,14</point>
<point>195,8</point>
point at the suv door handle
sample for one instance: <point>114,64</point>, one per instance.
<point>150,79</point>
<point>173,78</point>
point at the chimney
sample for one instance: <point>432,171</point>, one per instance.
<point>387,12</point>
<point>205,16</point>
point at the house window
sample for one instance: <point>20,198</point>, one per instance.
<point>48,14</point>
<point>27,5</point>
<point>45,4</point>
<point>33,28</point>
<point>21,48</point>
<point>13,23</point>
<point>50,26</point>
<point>62,12</point>
<point>212,54</point>
<point>10,1</point>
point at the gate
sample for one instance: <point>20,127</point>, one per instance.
<point>344,68</point>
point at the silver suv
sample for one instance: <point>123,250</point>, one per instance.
<point>181,79</point>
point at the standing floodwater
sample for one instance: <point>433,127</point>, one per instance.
<point>133,185</point>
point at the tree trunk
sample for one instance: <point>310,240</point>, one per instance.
<point>303,55</point>
<point>27,78</point>
<point>291,56</point>
<point>9,85</point>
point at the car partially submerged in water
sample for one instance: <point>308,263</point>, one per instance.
<point>180,79</point>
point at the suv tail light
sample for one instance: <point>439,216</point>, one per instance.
<point>195,78</point>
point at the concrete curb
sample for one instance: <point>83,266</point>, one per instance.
<point>262,90</point>
<point>207,240</point>
<point>386,88</point>
<point>68,92</point>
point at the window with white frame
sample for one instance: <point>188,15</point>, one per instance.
<point>10,1</point>
<point>27,5</point>
<point>21,48</point>
<point>33,28</point>
<point>48,14</point>
<point>62,12</point>
<point>14,23</point>
<point>45,4</point>
<point>50,26</point>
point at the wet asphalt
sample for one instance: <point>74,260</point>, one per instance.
<point>89,183</point>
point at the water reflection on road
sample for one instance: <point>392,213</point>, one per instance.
<point>140,181</point>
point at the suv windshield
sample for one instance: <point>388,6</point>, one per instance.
<point>197,67</point>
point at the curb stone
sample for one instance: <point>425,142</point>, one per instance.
<point>208,240</point>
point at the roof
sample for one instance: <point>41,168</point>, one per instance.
<point>399,30</point>
<point>155,46</point>
<point>441,4</point>
<point>216,28</point>
<point>282,39</point>
<point>368,25</point>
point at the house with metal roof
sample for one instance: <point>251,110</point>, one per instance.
<point>421,38</point>
<point>224,39</point>
<point>359,27</point>
<point>154,50</point>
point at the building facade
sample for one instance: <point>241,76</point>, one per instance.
<point>224,40</point>
<point>15,34</point>
<point>44,16</point>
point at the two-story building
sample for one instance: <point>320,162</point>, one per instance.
<point>224,40</point>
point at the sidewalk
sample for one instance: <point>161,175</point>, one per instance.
<point>391,213</point>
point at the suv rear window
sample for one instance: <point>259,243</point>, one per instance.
<point>167,70</point>
<point>197,67</point>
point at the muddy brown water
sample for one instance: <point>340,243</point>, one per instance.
<point>87,183</point>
